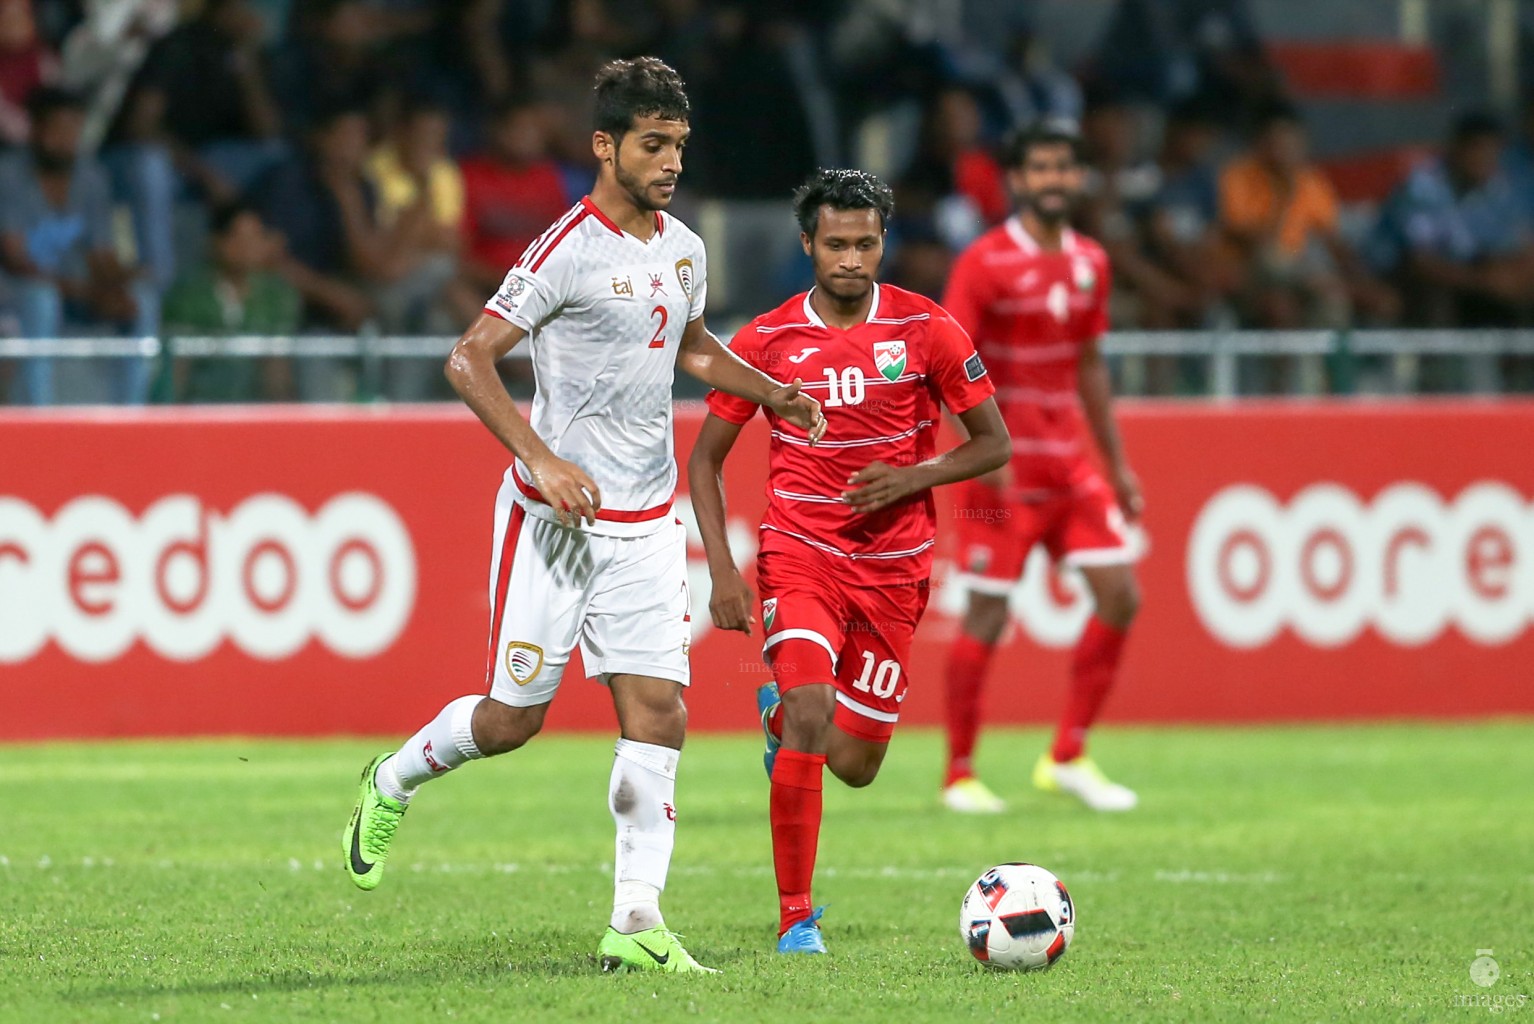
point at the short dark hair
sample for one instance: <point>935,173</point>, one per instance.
<point>326,117</point>
<point>225,215</point>
<point>47,100</point>
<point>1275,112</point>
<point>1474,125</point>
<point>423,105</point>
<point>642,87</point>
<point>503,109</point>
<point>841,189</point>
<point>1046,132</point>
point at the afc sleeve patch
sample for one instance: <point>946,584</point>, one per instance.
<point>512,293</point>
<point>974,369</point>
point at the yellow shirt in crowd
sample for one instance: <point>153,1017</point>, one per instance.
<point>397,188</point>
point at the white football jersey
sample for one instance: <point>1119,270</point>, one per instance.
<point>604,313</point>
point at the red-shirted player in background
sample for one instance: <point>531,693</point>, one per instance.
<point>846,543</point>
<point>1033,295</point>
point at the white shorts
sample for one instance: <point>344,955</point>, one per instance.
<point>624,599</point>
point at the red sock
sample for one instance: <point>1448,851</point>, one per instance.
<point>795,816</point>
<point>1092,672</point>
<point>967,662</point>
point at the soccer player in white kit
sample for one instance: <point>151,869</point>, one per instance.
<point>586,548</point>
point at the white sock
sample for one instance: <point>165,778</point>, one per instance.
<point>642,797</point>
<point>446,742</point>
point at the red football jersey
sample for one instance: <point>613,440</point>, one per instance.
<point>1030,312</point>
<point>880,385</point>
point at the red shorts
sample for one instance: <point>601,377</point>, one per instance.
<point>1080,527</point>
<point>819,630</point>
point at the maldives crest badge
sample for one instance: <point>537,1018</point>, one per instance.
<point>889,358</point>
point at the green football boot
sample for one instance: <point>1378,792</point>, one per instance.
<point>655,949</point>
<point>365,842</point>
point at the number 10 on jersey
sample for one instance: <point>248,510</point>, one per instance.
<point>846,387</point>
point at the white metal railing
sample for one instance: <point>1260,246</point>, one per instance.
<point>1400,351</point>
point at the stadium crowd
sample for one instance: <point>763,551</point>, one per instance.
<point>326,166</point>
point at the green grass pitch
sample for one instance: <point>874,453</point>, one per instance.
<point>1271,873</point>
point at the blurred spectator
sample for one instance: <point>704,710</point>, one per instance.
<point>754,137</point>
<point>207,91</point>
<point>420,189</point>
<point>324,207</point>
<point>1119,186</point>
<point>1279,213</point>
<point>512,193</point>
<point>579,36</point>
<point>954,187</point>
<point>420,207</point>
<point>1004,53</point>
<point>920,263</point>
<point>1170,51</point>
<point>236,292</point>
<point>330,61</point>
<point>57,248</point>
<point>25,64</point>
<point>1456,235</point>
<point>103,53</point>
<point>199,122</point>
<point>1178,220</point>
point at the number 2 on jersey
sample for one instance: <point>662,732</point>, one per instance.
<point>659,341</point>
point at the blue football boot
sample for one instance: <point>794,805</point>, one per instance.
<point>767,702</point>
<point>804,936</point>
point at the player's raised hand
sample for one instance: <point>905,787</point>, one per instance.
<point>877,486</point>
<point>566,486</point>
<point>731,602</point>
<point>791,404</point>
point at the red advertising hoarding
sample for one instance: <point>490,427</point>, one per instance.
<point>323,571</point>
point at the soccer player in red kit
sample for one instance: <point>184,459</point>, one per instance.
<point>1033,295</point>
<point>846,543</point>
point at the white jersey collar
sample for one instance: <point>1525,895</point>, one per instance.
<point>1029,245</point>
<point>814,317</point>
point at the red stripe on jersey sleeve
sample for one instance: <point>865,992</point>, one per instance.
<point>537,244</point>
<point>555,244</point>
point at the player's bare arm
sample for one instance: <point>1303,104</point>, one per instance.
<point>705,357</point>
<point>880,485</point>
<point>1097,402</point>
<point>732,599</point>
<point>471,371</point>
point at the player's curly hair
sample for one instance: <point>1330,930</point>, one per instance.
<point>642,87</point>
<point>841,189</point>
<point>1044,132</point>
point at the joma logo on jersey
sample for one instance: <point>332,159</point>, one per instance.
<point>889,358</point>
<point>684,276</point>
<point>523,660</point>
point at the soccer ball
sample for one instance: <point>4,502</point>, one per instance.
<point>1017,917</point>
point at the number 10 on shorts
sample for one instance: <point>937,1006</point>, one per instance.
<point>878,677</point>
